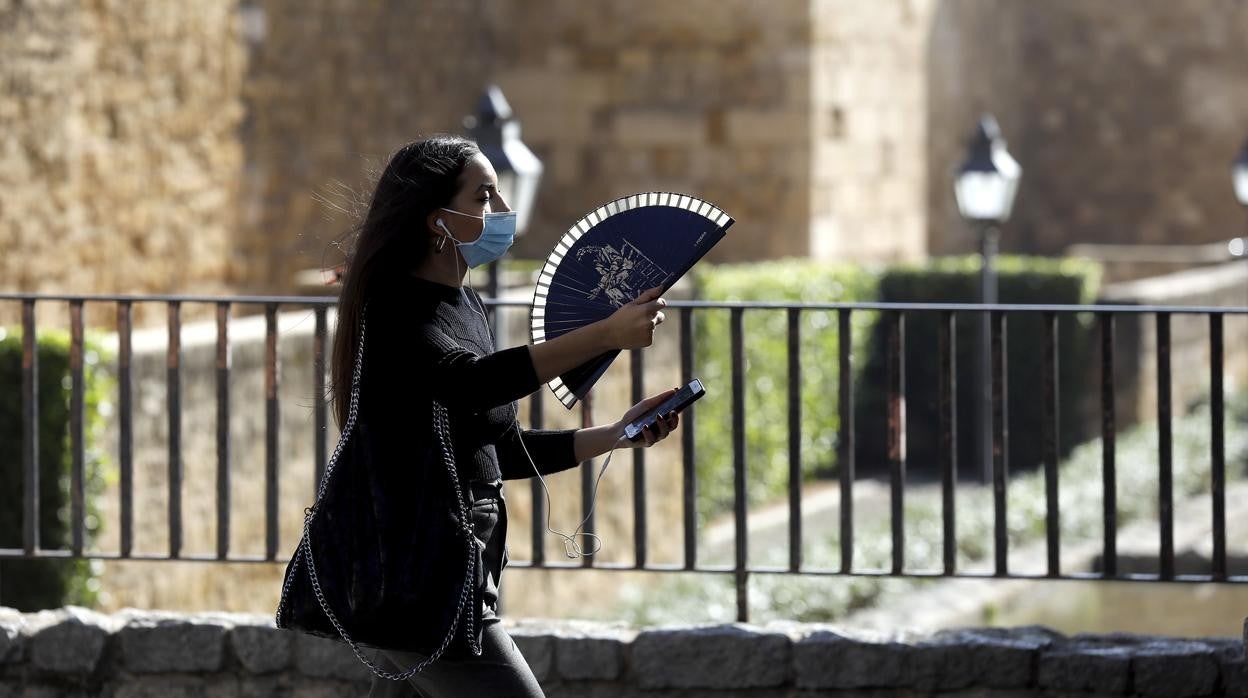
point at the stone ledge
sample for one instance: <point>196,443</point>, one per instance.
<point>138,653</point>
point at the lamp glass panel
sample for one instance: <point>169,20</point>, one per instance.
<point>984,196</point>
<point>1240,175</point>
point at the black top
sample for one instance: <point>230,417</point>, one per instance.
<point>427,341</point>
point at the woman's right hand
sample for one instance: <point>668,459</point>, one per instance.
<point>632,325</point>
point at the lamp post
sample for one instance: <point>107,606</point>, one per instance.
<point>985,187</point>
<point>1239,179</point>
<point>497,133</point>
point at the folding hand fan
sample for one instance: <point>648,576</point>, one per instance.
<point>610,257</point>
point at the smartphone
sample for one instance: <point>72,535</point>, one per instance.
<point>682,399</point>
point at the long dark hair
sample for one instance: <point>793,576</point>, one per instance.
<point>391,239</point>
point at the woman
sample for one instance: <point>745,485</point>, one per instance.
<point>436,212</point>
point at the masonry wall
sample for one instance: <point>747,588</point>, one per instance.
<point>142,653</point>
<point>1125,122</point>
<point>118,152</point>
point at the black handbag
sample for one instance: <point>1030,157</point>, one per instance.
<point>370,566</point>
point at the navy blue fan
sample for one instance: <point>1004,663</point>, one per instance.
<point>610,257</point>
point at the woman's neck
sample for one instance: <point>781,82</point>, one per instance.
<point>442,268</point>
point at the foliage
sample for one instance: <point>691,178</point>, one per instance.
<point>48,583</point>
<point>818,598</point>
<point>956,280</point>
<point>765,376</point>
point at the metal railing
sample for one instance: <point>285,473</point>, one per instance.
<point>893,316</point>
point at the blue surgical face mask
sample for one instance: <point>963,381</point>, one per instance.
<point>497,234</point>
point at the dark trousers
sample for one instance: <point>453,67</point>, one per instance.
<point>501,669</point>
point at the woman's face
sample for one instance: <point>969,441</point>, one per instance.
<point>478,195</point>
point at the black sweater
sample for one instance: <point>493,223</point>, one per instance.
<point>429,341</point>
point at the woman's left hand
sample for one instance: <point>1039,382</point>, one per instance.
<point>665,425</point>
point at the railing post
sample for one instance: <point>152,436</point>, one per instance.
<point>740,492</point>
<point>30,430</point>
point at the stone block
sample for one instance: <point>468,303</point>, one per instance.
<point>321,658</point>
<point>261,649</point>
<point>11,638</point>
<point>586,652</point>
<point>827,659</point>
<point>721,656</point>
<point>537,644</point>
<point>1003,658</point>
<point>658,127</point>
<point>1232,667</point>
<point>69,641</point>
<point>158,643</point>
<point>1175,669</point>
<point>1085,666</point>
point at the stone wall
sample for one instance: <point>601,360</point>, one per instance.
<point>141,653</point>
<point>1125,122</point>
<point>119,159</point>
<point>868,94</point>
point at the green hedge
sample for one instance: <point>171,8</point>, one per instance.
<point>766,363</point>
<point>956,280</point>
<point>766,372</point>
<point>37,584</point>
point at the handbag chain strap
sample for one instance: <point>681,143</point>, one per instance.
<point>442,427</point>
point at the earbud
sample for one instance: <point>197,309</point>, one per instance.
<point>440,224</point>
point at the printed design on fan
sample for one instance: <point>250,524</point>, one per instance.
<point>624,273</point>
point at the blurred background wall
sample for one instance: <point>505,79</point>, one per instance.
<point>222,145</point>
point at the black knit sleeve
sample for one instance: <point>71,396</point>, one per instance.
<point>552,450</point>
<point>458,377</point>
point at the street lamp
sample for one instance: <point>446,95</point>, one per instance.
<point>497,133</point>
<point>1239,179</point>
<point>985,187</point>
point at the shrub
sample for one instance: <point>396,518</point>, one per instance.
<point>956,280</point>
<point>765,338</point>
<point>46,583</point>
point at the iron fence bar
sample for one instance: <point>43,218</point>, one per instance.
<point>1049,426</point>
<point>173,403</point>
<point>689,490</point>
<point>896,387</point>
<point>1108,474</point>
<point>77,478</point>
<point>125,425</point>
<point>795,439</point>
<point>845,438</point>
<point>271,414</point>
<point>1000,445</point>
<point>587,478</point>
<point>948,341</point>
<point>536,526</point>
<point>321,411</point>
<point>1165,475</point>
<point>30,430</point>
<point>1217,445</point>
<point>720,305</point>
<point>637,368</point>
<point>223,430</point>
<point>740,492</point>
<point>63,554</point>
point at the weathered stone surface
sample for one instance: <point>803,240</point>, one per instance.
<point>261,649</point>
<point>1004,658</point>
<point>158,643</point>
<point>829,659</point>
<point>321,658</point>
<point>721,656</point>
<point>179,687</point>
<point>1085,666</point>
<point>1232,671</point>
<point>584,652</point>
<point>11,638</point>
<point>1174,669</point>
<point>537,644</point>
<point>69,640</point>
